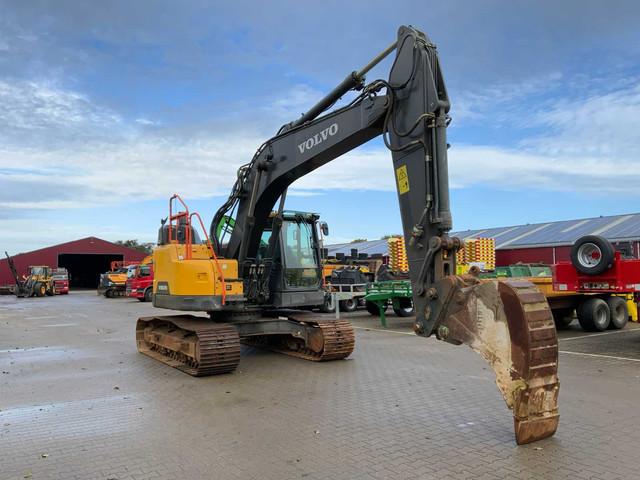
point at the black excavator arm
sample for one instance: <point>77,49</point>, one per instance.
<point>509,323</point>
<point>410,110</point>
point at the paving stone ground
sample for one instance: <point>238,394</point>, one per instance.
<point>78,402</point>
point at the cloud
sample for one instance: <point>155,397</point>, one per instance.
<point>589,146</point>
<point>512,169</point>
<point>18,237</point>
<point>501,100</point>
<point>39,112</point>
<point>604,125</point>
<point>293,102</point>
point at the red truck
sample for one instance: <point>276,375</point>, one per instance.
<point>601,277</point>
<point>60,278</point>
<point>140,285</point>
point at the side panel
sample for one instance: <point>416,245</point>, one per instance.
<point>192,284</point>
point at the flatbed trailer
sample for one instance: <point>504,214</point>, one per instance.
<point>348,296</point>
<point>598,284</point>
<point>563,303</point>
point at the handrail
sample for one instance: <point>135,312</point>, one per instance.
<point>189,240</point>
<point>213,255</point>
<point>176,217</point>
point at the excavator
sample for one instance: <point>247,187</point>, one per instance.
<point>257,274</point>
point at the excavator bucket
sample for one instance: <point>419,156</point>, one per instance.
<point>509,323</point>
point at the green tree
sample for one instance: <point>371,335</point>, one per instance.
<point>387,237</point>
<point>142,247</point>
<point>358,240</point>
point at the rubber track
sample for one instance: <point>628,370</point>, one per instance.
<point>338,341</point>
<point>218,345</point>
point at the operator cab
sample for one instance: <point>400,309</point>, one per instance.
<point>296,272</point>
<point>43,271</point>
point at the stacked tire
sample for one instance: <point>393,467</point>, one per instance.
<point>593,255</point>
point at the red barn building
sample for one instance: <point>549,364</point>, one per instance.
<point>85,259</point>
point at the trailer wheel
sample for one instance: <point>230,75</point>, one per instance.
<point>328,306</point>
<point>619,312</point>
<point>403,307</point>
<point>563,317</point>
<point>594,315</point>
<point>373,309</point>
<point>348,305</point>
<point>592,254</point>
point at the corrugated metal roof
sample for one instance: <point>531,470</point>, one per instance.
<point>615,228</point>
<point>566,232</point>
<point>370,247</point>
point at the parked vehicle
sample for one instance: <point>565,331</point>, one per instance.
<point>140,284</point>
<point>600,280</point>
<point>113,283</point>
<point>37,283</point>
<point>60,278</point>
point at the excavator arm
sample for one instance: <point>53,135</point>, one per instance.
<point>509,323</point>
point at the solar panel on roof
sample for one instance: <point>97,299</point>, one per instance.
<point>554,233</point>
<point>628,229</point>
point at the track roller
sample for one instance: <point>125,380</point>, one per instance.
<point>327,340</point>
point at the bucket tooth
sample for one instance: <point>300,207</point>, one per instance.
<point>509,323</point>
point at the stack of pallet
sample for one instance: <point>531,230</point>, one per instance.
<point>397,255</point>
<point>478,251</point>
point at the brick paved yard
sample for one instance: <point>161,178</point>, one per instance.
<point>78,402</point>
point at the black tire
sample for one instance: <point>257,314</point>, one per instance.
<point>148,294</point>
<point>619,312</point>
<point>108,293</point>
<point>41,290</point>
<point>328,306</point>
<point>373,309</point>
<point>592,254</point>
<point>563,317</point>
<point>594,315</point>
<point>403,307</point>
<point>350,305</point>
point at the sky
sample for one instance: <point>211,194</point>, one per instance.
<point>108,108</point>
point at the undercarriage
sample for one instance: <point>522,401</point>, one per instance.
<point>201,346</point>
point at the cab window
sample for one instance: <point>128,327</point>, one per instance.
<point>300,261</point>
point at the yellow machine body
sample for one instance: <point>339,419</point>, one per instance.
<point>187,278</point>
<point>117,278</point>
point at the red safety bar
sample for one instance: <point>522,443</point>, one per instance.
<point>189,241</point>
<point>116,264</point>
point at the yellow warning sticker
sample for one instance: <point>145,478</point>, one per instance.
<point>403,179</point>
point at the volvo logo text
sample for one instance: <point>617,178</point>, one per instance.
<point>318,138</point>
